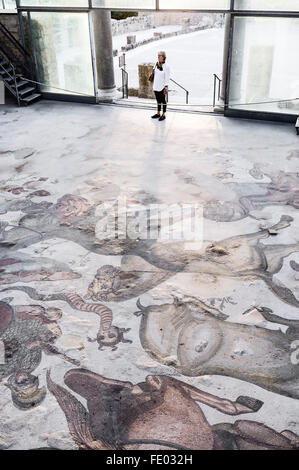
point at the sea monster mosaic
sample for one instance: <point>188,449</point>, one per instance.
<point>190,336</point>
<point>73,218</point>
<point>136,424</point>
<point>27,331</point>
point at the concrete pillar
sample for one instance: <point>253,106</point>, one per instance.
<point>101,20</point>
<point>237,60</point>
<point>225,54</point>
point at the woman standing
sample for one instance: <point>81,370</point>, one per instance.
<point>160,85</point>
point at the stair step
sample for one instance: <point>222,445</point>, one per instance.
<point>27,90</point>
<point>31,98</point>
<point>11,88</point>
<point>6,71</point>
<point>21,83</point>
<point>9,79</point>
<point>7,67</point>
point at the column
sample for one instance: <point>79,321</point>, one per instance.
<point>102,33</point>
<point>238,58</point>
<point>225,54</point>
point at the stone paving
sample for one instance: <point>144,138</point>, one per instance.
<point>146,343</point>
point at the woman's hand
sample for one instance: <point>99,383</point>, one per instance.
<point>165,91</point>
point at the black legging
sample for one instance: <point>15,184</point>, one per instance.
<point>161,99</point>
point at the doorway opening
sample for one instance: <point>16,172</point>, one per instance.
<point>193,43</point>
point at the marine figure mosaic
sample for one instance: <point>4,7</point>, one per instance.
<point>184,340</point>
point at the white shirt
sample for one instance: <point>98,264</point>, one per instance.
<point>161,78</point>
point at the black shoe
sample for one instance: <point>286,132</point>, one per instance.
<point>155,116</point>
<point>162,118</point>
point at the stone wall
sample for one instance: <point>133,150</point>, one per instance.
<point>11,22</point>
<point>172,18</point>
<point>156,37</point>
<point>132,24</point>
<point>153,20</point>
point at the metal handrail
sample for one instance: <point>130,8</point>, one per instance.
<point>187,92</point>
<point>125,73</point>
<point>4,5</point>
<point>25,61</point>
<point>16,86</point>
<point>125,90</point>
<point>5,49</point>
<point>14,40</point>
<point>13,77</point>
<point>48,85</point>
<point>214,92</point>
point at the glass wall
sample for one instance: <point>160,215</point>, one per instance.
<point>141,4</point>
<point>54,3</point>
<point>7,4</point>
<point>164,4</point>
<point>194,4</point>
<point>261,48</point>
<point>252,5</point>
<point>267,5</point>
<point>62,48</point>
<point>264,67</point>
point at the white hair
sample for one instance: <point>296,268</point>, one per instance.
<point>162,53</point>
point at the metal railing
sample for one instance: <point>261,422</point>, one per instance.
<point>12,76</point>
<point>125,89</point>
<point>187,92</point>
<point>10,45</point>
<point>11,37</point>
<point>125,81</point>
<point>7,5</point>
<point>4,7</point>
<point>219,81</point>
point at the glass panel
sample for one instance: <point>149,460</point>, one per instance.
<point>267,5</point>
<point>7,4</point>
<point>194,4</point>
<point>265,66</point>
<point>63,52</point>
<point>141,4</point>
<point>54,3</point>
<point>193,57</point>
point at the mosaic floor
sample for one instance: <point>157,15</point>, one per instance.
<point>134,343</point>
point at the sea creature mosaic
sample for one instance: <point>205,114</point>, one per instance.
<point>186,337</point>
<point>136,423</point>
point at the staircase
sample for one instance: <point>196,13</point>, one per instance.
<point>16,69</point>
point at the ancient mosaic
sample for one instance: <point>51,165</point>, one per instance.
<point>76,309</point>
